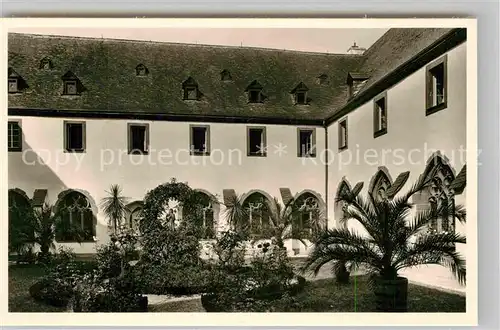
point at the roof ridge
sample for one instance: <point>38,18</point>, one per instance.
<point>54,36</point>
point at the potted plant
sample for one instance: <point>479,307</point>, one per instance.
<point>393,241</point>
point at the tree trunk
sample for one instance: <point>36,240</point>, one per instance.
<point>391,295</point>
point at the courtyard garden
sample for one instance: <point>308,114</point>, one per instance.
<point>160,266</point>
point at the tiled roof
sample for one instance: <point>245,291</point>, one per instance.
<point>107,70</point>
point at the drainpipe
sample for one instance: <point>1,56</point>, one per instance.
<point>326,175</point>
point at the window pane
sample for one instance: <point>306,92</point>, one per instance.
<point>256,143</point>
<point>191,94</point>
<point>75,136</point>
<point>438,84</point>
<point>13,135</point>
<point>199,139</point>
<point>12,85</point>
<point>70,87</point>
<point>305,142</point>
<point>138,138</point>
<point>301,98</point>
<point>254,96</point>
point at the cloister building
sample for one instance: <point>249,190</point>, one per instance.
<point>86,113</point>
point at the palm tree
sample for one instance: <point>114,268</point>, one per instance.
<point>41,226</point>
<point>114,206</point>
<point>392,241</point>
<point>283,220</point>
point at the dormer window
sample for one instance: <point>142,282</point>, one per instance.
<point>141,70</point>
<point>46,64</point>
<point>322,79</point>
<point>70,87</point>
<point>13,85</point>
<point>190,88</point>
<point>355,81</point>
<point>300,94</point>
<point>71,84</point>
<point>16,83</point>
<point>225,75</point>
<point>254,91</point>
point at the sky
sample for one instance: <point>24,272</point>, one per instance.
<point>313,40</point>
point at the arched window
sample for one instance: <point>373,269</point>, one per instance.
<point>380,184</point>
<point>340,206</point>
<point>309,213</point>
<point>441,198</point>
<point>20,211</point>
<point>257,218</point>
<point>135,217</point>
<point>76,217</point>
<point>206,218</point>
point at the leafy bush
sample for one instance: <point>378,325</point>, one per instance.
<point>56,288</point>
<point>108,260</point>
<point>118,294</point>
<point>170,262</point>
<point>254,287</point>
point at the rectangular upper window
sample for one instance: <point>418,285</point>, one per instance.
<point>343,134</point>
<point>306,142</point>
<point>436,85</point>
<point>200,140</point>
<point>74,136</point>
<point>380,115</point>
<point>13,85</point>
<point>256,141</point>
<point>138,139</point>
<point>14,136</point>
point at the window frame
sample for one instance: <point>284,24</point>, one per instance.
<point>378,131</point>
<point>17,85</point>
<point>304,92</point>
<point>343,122</point>
<point>186,93</point>
<point>66,140</point>
<point>65,87</point>
<point>312,154</point>
<point>259,95</point>
<point>15,148</point>
<point>264,141</point>
<point>206,152</point>
<point>430,107</point>
<point>129,139</point>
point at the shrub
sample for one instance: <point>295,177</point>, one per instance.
<point>170,262</point>
<point>108,260</point>
<point>118,294</point>
<point>52,290</point>
<point>56,288</point>
<point>255,287</point>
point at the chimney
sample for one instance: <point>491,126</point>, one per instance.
<point>356,50</point>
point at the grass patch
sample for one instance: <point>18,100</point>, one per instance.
<point>318,296</point>
<point>21,277</point>
<point>327,296</point>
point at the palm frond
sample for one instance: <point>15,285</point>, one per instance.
<point>114,206</point>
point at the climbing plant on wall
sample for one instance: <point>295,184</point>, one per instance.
<point>168,225</point>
